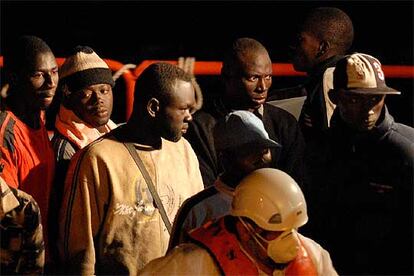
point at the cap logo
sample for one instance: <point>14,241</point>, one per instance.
<point>361,74</point>
<point>380,73</point>
<point>276,219</point>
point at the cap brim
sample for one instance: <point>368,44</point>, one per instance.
<point>268,143</point>
<point>374,91</point>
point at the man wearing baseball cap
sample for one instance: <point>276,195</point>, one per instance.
<point>242,146</point>
<point>368,177</point>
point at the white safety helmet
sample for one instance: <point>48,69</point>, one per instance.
<point>270,198</point>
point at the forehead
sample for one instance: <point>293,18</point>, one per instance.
<point>350,94</point>
<point>42,61</point>
<point>256,62</point>
<point>97,86</point>
<point>182,93</point>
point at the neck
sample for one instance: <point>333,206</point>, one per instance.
<point>142,132</point>
<point>250,249</point>
<point>26,113</point>
<point>231,179</point>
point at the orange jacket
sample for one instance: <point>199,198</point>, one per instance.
<point>226,250</point>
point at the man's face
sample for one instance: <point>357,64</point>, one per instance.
<point>39,81</point>
<point>360,112</point>
<point>305,52</point>
<point>241,161</point>
<point>247,88</point>
<point>252,159</point>
<point>93,104</point>
<point>260,251</point>
<point>176,114</point>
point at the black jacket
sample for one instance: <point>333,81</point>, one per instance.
<point>314,105</point>
<point>280,125</point>
<point>365,197</point>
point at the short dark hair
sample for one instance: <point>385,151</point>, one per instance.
<point>157,81</point>
<point>240,47</point>
<point>330,24</point>
<point>22,52</point>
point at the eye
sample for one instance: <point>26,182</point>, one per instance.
<point>85,94</point>
<point>268,77</point>
<point>375,99</point>
<point>252,78</point>
<point>37,75</point>
<point>104,91</point>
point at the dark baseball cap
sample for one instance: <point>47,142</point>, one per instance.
<point>362,74</point>
<point>241,128</point>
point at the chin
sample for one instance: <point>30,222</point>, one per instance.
<point>173,137</point>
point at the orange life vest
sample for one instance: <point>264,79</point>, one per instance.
<point>225,249</point>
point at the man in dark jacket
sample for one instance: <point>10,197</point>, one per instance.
<point>368,175</point>
<point>324,37</point>
<point>247,77</point>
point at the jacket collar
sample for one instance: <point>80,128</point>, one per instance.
<point>76,130</point>
<point>321,67</point>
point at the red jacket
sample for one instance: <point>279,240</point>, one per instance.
<point>225,249</point>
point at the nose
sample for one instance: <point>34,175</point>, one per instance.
<point>97,97</point>
<point>51,80</point>
<point>188,117</point>
<point>262,84</point>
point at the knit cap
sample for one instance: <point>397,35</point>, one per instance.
<point>84,68</point>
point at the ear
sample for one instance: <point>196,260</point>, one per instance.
<point>324,46</point>
<point>153,107</point>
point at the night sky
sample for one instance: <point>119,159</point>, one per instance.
<point>131,31</point>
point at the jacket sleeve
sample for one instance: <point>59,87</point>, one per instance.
<point>320,257</point>
<point>10,164</point>
<point>186,259</point>
<point>33,253</point>
<point>81,214</point>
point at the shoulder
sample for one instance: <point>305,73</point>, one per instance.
<point>402,138</point>
<point>62,147</point>
<point>197,200</point>
<point>185,259</point>
<point>203,119</point>
<point>104,146</point>
<point>26,206</point>
<point>319,255</point>
<point>277,113</point>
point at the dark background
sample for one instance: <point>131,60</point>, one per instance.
<point>131,31</point>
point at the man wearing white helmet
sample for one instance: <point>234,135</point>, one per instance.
<point>259,237</point>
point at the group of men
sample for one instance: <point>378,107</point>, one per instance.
<point>218,191</point>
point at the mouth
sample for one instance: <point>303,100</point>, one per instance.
<point>259,100</point>
<point>100,112</point>
<point>46,97</point>
<point>368,123</point>
<point>184,129</point>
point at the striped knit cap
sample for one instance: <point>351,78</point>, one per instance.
<point>84,68</point>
